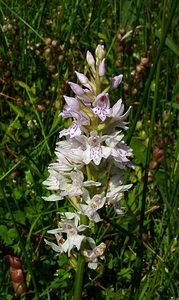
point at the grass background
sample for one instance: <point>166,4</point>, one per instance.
<point>41,45</point>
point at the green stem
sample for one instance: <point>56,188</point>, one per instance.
<point>79,277</point>
<point>80,268</point>
<point>140,249</point>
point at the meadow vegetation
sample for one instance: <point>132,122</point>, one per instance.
<point>42,43</point>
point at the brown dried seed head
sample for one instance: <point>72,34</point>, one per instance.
<point>40,107</point>
<point>136,77</point>
<point>55,43</point>
<point>122,30</point>
<point>48,41</point>
<point>60,57</point>
<point>150,178</point>
<point>37,52</point>
<point>134,92</point>
<point>37,46</point>
<point>161,158</point>
<point>55,76</point>
<point>52,69</point>
<point>158,153</point>
<point>47,51</point>
<point>48,54</point>
<point>15,174</point>
<point>49,22</point>
<point>139,68</point>
<point>118,36</point>
<point>120,48</point>
<point>119,63</point>
<point>126,87</point>
<point>133,72</point>
<point>153,164</point>
<point>144,61</point>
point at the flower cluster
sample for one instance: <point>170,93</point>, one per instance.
<point>91,159</point>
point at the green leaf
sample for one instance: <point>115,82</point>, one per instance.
<point>17,193</point>
<point>169,43</point>
<point>8,235</point>
<point>139,150</point>
<point>20,216</point>
<point>12,234</point>
<point>29,177</point>
<point>102,36</point>
<point>174,105</point>
<point>23,85</point>
<point>3,231</point>
<point>16,109</point>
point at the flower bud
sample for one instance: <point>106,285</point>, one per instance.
<point>82,78</point>
<point>142,135</point>
<point>115,81</point>
<point>139,125</point>
<point>16,275</point>
<point>76,88</point>
<point>90,59</point>
<point>102,69</point>
<point>99,53</point>
<point>15,262</point>
<point>19,288</point>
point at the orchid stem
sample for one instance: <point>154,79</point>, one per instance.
<point>79,277</point>
<point>80,268</point>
